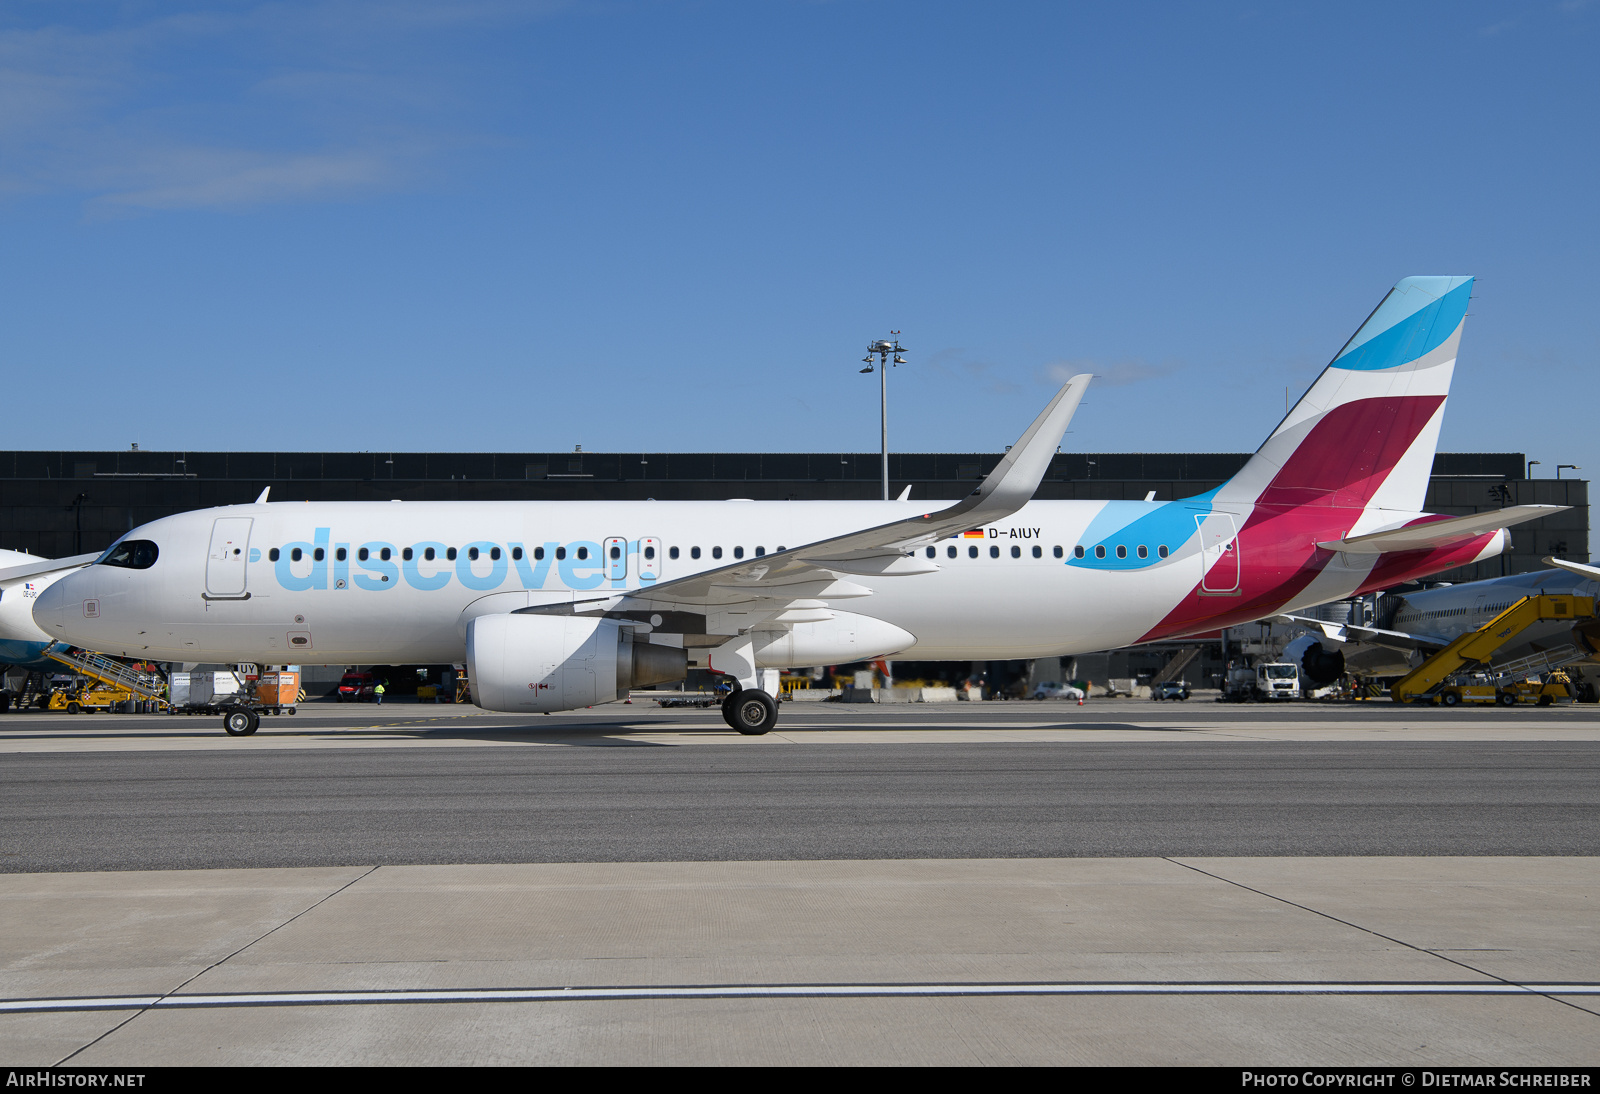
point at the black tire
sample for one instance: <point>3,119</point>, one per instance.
<point>752,712</point>
<point>1450,699</point>
<point>1506,699</point>
<point>74,708</point>
<point>1546,700</point>
<point>240,722</point>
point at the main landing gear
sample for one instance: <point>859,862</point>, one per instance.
<point>751,711</point>
<point>241,722</point>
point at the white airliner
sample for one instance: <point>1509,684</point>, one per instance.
<point>22,578</point>
<point>561,605</point>
<point>1408,627</point>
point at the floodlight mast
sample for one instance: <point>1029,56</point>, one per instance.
<point>884,350</point>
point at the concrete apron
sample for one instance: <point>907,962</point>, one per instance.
<point>1364,961</point>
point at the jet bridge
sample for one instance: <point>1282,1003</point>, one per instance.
<point>1477,647</point>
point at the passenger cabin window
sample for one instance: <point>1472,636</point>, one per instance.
<point>1077,552</point>
<point>1057,550</point>
<point>1016,552</point>
<point>1162,550</point>
<point>738,552</point>
<point>494,554</point>
<point>272,555</point>
<point>972,552</point>
<point>1100,551</point>
<point>450,553</point>
<point>405,554</point>
<point>341,554</point>
<point>616,553</point>
<point>932,551</point>
<point>760,551</point>
<point>296,555</point>
<point>694,552</point>
<point>132,554</point>
<point>472,553</point>
<point>650,552</point>
<point>583,552</point>
<point>716,552</point>
<point>318,554</point>
<point>1122,551</point>
<point>1143,551</point>
<point>386,554</point>
<point>950,551</point>
<point>672,552</point>
<point>1038,552</point>
<point>994,552</point>
<point>561,552</point>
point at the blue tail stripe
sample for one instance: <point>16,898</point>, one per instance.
<point>1412,337</point>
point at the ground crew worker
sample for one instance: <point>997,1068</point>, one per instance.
<point>378,691</point>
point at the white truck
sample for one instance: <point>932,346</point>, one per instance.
<point>1274,680</point>
<point>1278,680</point>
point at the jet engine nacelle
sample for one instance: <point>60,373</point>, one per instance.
<point>844,638</point>
<point>1319,664</point>
<point>540,663</point>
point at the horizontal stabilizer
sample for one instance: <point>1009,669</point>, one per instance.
<point>1439,533</point>
<point>48,566</point>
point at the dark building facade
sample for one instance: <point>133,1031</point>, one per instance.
<point>64,503</point>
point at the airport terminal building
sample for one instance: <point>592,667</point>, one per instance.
<point>65,503</point>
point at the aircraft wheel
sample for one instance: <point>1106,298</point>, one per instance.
<point>1450,699</point>
<point>1506,699</point>
<point>752,712</point>
<point>241,722</point>
<point>727,708</point>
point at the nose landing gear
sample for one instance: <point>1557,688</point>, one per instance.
<point>241,722</point>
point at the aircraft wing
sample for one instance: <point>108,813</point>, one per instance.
<point>820,571</point>
<point>1371,636</point>
<point>47,566</point>
<point>1439,533</point>
<point>1579,568</point>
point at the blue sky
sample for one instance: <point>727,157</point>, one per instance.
<point>674,225</point>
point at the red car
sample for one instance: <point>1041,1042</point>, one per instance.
<point>356,687</point>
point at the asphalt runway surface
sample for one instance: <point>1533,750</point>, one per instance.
<point>609,798</point>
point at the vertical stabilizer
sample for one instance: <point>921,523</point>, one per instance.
<point>1364,434</point>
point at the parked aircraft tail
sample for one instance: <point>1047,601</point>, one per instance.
<point>1364,435</point>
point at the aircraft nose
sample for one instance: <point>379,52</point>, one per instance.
<point>50,607</point>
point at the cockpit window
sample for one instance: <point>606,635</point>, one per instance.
<point>134,554</point>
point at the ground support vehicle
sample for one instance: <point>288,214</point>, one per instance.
<point>99,682</point>
<point>357,687</point>
<point>1268,681</point>
<point>1169,689</point>
<point>1432,677</point>
<point>87,697</point>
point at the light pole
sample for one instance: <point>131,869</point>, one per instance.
<point>1531,465</point>
<point>884,350</point>
<point>1566,467</point>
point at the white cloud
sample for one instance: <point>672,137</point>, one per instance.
<point>156,107</point>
